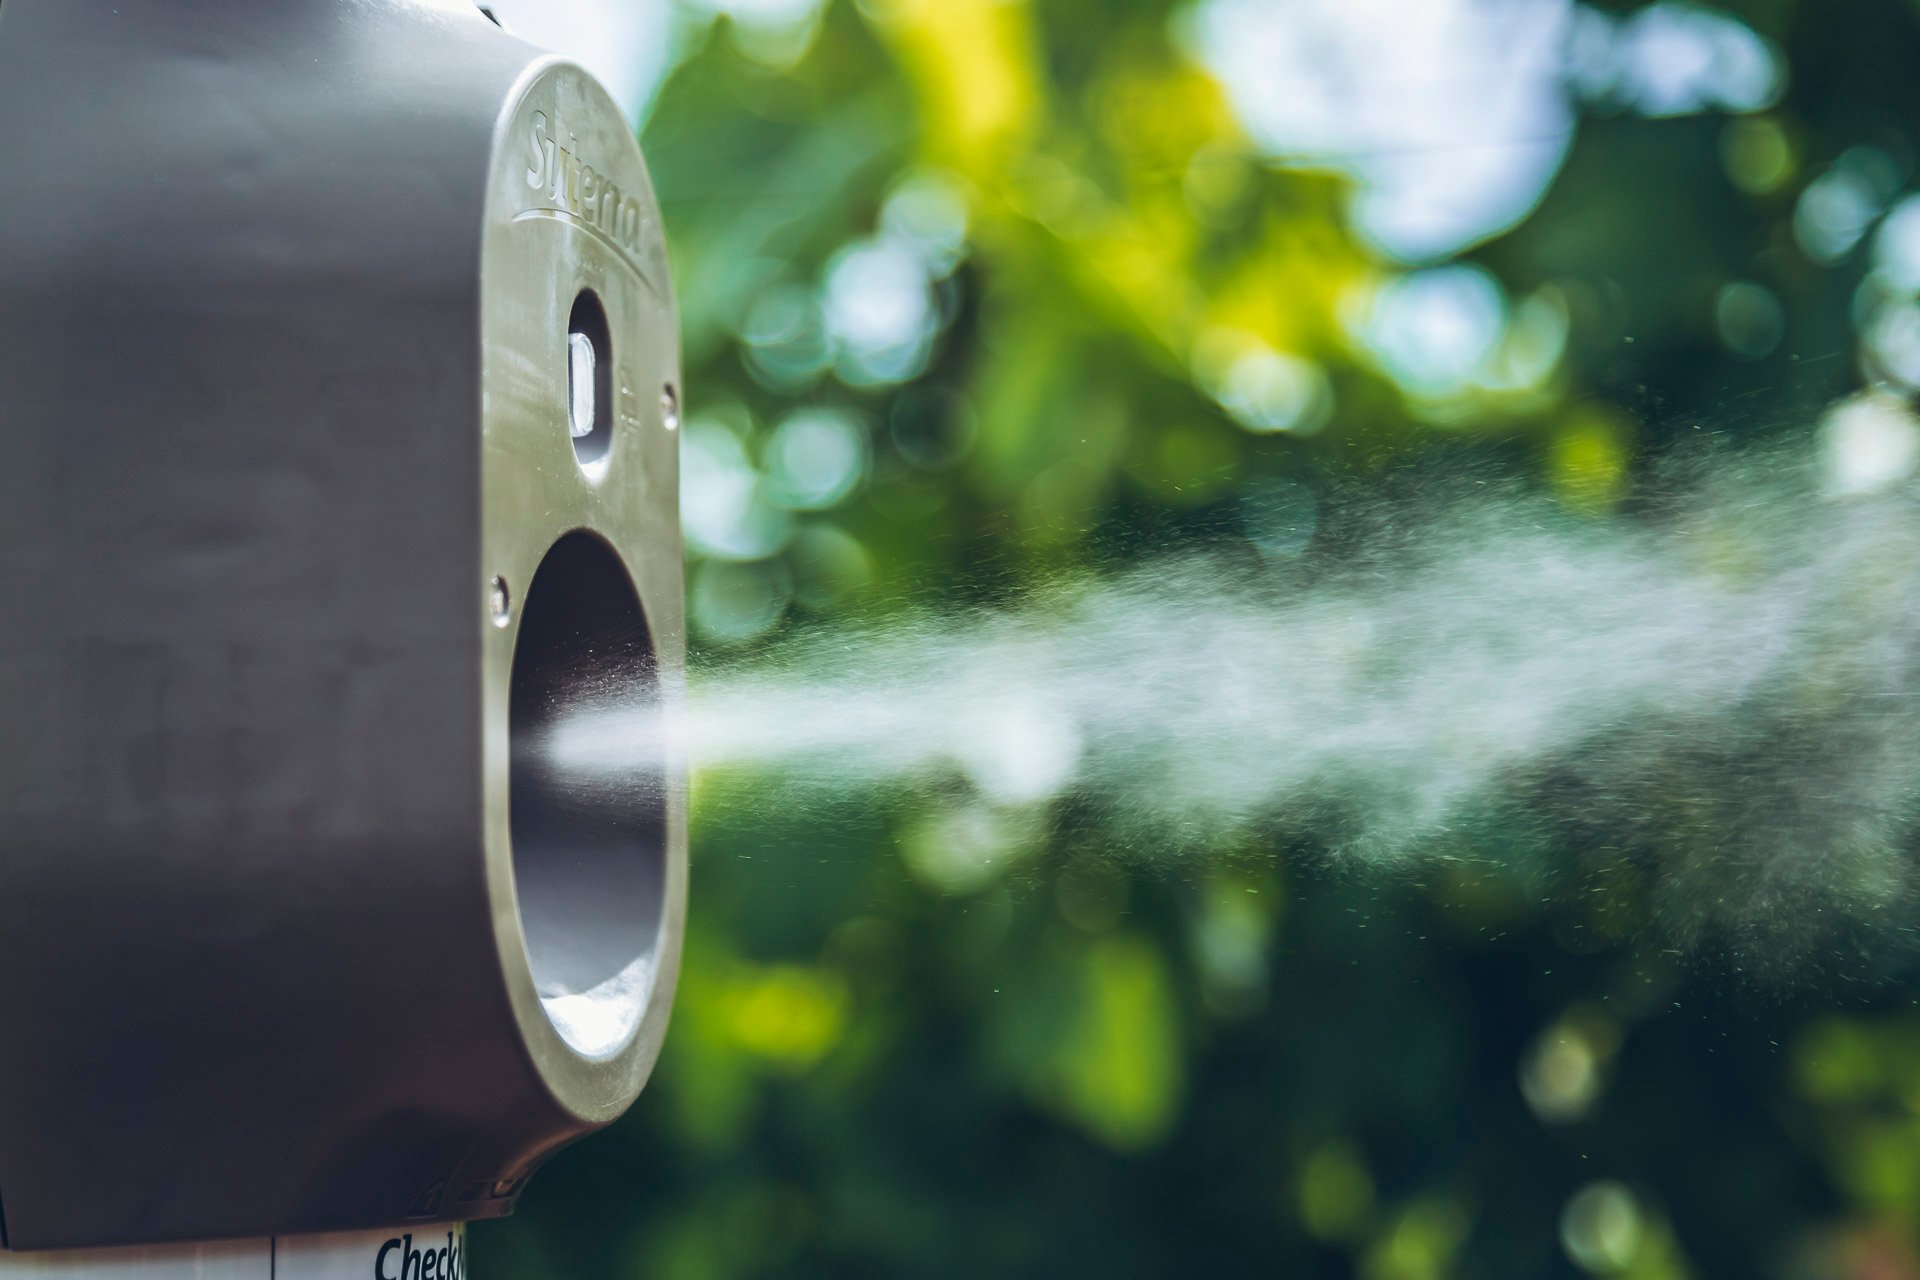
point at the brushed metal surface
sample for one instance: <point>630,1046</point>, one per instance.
<point>283,319</point>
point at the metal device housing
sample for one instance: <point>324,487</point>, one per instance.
<point>287,485</point>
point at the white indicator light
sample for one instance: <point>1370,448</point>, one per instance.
<point>580,406</point>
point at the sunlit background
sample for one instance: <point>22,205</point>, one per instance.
<point>973,291</point>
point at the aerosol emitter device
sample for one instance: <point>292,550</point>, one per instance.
<point>338,450</point>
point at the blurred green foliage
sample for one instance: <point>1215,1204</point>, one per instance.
<point>976,289</point>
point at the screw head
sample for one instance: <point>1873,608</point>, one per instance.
<point>669,408</point>
<point>499,602</point>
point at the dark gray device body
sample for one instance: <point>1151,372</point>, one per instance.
<point>295,551</point>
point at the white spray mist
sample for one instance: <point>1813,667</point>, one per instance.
<point>1721,693</point>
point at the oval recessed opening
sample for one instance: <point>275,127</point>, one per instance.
<point>587,794</point>
<point>589,358</point>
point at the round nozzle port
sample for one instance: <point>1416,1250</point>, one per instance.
<point>589,842</point>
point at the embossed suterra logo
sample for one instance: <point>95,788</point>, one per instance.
<point>572,190</point>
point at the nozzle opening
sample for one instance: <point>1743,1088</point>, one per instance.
<point>589,837</point>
